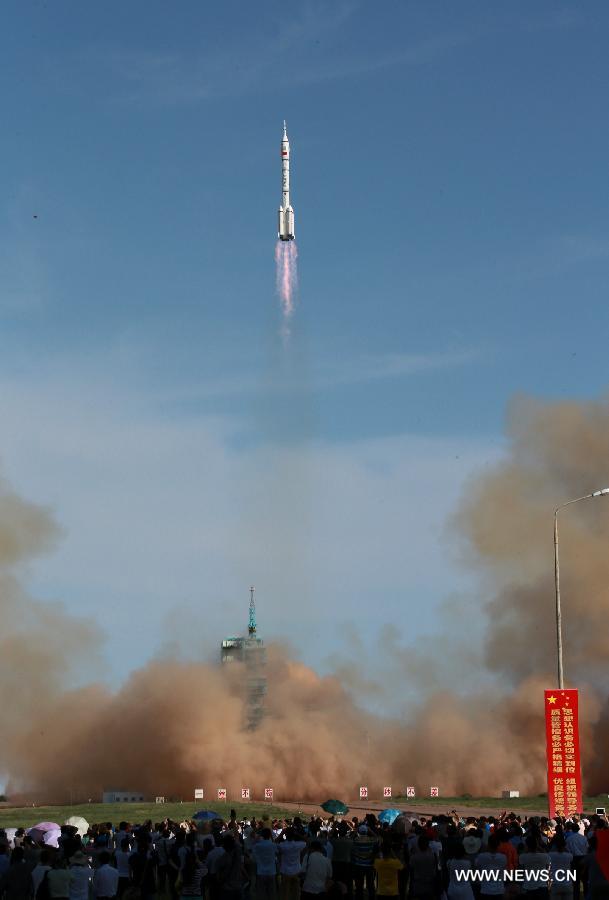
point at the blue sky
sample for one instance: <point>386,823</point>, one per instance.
<point>449,182</point>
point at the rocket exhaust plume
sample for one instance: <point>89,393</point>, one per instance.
<point>287,279</point>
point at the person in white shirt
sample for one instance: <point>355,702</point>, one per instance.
<point>289,856</point>
<point>122,857</point>
<point>81,876</point>
<point>492,865</point>
<point>535,864</point>
<point>105,879</point>
<point>317,871</point>
<point>457,867</point>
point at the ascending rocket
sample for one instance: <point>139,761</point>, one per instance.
<point>286,213</point>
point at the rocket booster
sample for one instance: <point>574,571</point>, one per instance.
<point>286,213</point>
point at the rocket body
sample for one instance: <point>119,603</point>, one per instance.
<point>285,230</point>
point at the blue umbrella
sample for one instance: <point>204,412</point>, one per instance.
<point>389,816</point>
<point>206,815</point>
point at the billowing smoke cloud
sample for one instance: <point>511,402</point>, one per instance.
<point>174,726</point>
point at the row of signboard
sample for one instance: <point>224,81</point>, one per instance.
<point>387,792</point>
<point>223,794</point>
<point>268,793</point>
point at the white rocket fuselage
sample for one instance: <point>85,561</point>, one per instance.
<point>285,230</point>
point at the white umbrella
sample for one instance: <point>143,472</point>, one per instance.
<point>80,824</point>
<point>10,836</point>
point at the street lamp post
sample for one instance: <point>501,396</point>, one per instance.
<point>601,493</point>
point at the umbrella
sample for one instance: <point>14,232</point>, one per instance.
<point>10,835</point>
<point>206,815</point>
<point>37,832</point>
<point>401,825</point>
<point>81,825</point>
<point>335,807</point>
<point>51,837</point>
<point>389,816</point>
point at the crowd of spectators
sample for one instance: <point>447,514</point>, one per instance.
<point>423,858</point>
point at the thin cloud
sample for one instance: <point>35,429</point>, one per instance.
<point>149,76</point>
<point>333,374</point>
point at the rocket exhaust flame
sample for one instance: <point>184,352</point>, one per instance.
<point>287,278</point>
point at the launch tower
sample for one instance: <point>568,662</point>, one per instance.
<point>251,652</point>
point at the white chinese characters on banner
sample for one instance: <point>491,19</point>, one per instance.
<point>198,793</point>
<point>245,793</point>
<point>386,792</point>
<point>410,792</point>
<point>363,793</point>
<point>221,793</point>
<point>434,792</point>
<point>268,793</point>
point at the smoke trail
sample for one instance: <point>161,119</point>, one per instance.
<point>286,255</point>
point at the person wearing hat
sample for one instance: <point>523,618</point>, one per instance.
<point>81,876</point>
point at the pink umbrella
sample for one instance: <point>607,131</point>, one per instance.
<point>37,832</point>
<point>51,837</point>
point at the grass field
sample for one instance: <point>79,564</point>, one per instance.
<point>131,812</point>
<point>11,816</point>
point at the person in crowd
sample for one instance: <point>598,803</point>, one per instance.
<point>363,852</point>
<point>105,878</point>
<point>492,865</point>
<point>561,863</point>
<point>458,867</point>
<point>121,858</point>
<point>40,869</point>
<point>317,872</point>
<point>142,866</point>
<point>264,855</point>
<point>192,874</point>
<point>424,871</point>
<point>387,867</point>
<point>290,852</point>
<point>81,877</point>
<point>341,857</point>
<point>534,862</point>
<point>5,858</point>
<point>58,880</point>
<point>230,873</point>
<point>16,883</point>
<point>576,843</point>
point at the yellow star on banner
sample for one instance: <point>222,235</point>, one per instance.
<point>552,699</point>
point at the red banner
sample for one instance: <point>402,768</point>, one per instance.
<point>562,743</point>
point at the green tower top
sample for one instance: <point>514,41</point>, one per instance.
<point>252,624</point>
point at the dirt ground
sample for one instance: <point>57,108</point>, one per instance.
<point>359,809</point>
